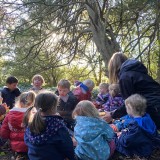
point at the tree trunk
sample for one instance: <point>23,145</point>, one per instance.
<point>103,36</point>
<point>158,69</point>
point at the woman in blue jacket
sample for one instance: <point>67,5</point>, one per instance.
<point>133,77</point>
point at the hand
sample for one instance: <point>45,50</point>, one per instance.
<point>107,117</point>
<point>119,134</point>
<point>74,142</point>
<point>5,106</point>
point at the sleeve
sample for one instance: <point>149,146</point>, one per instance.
<point>118,113</point>
<point>126,86</point>
<point>18,92</point>
<point>4,130</point>
<point>109,133</point>
<point>66,145</point>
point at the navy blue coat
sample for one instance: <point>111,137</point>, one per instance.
<point>136,141</point>
<point>133,78</point>
<point>9,96</point>
<point>52,144</point>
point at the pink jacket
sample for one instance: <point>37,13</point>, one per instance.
<point>12,129</point>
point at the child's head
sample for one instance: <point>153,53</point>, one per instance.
<point>103,88</point>
<point>63,87</point>
<point>37,81</point>
<point>45,104</point>
<point>114,90</point>
<point>26,99</point>
<point>136,105</point>
<point>89,83</point>
<point>85,108</point>
<point>12,82</point>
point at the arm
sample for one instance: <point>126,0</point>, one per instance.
<point>118,113</point>
<point>4,130</point>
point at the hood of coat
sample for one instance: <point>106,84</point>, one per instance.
<point>133,65</point>
<point>53,124</point>
<point>93,126</point>
<point>146,123</point>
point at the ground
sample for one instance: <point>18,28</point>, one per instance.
<point>117,156</point>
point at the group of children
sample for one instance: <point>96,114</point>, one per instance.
<point>67,124</point>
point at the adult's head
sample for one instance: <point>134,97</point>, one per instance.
<point>114,66</point>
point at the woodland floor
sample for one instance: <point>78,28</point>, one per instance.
<point>155,156</point>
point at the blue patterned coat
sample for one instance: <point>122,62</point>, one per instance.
<point>93,136</point>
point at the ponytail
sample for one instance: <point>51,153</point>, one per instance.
<point>38,124</point>
<point>26,117</point>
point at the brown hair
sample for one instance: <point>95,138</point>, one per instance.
<point>85,108</point>
<point>44,102</point>
<point>27,98</point>
<point>38,76</point>
<point>11,80</point>
<point>114,89</point>
<point>136,104</point>
<point>114,66</point>
<point>104,85</point>
<point>64,83</point>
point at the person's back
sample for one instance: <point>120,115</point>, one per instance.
<point>140,137</point>
<point>93,135</point>
<point>10,92</point>
<point>12,127</point>
<point>46,135</point>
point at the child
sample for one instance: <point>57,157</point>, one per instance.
<point>12,125</point>
<point>114,99</point>
<point>67,103</point>
<point>102,97</point>
<point>10,92</point>
<point>46,136</point>
<point>93,135</point>
<point>37,82</point>
<point>140,138</point>
<point>83,91</point>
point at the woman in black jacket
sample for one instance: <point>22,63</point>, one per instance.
<point>133,77</point>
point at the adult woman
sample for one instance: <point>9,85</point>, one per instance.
<point>133,78</point>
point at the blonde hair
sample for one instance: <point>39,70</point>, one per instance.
<point>114,89</point>
<point>64,83</point>
<point>89,83</point>
<point>114,66</point>
<point>85,108</point>
<point>44,102</point>
<point>104,85</point>
<point>38,76</point>
<point>26,98</point>
<point>136,104</point>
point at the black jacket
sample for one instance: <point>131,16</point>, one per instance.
<point>65,109</point>
<point>9,96</point>
<point>133,78</point>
